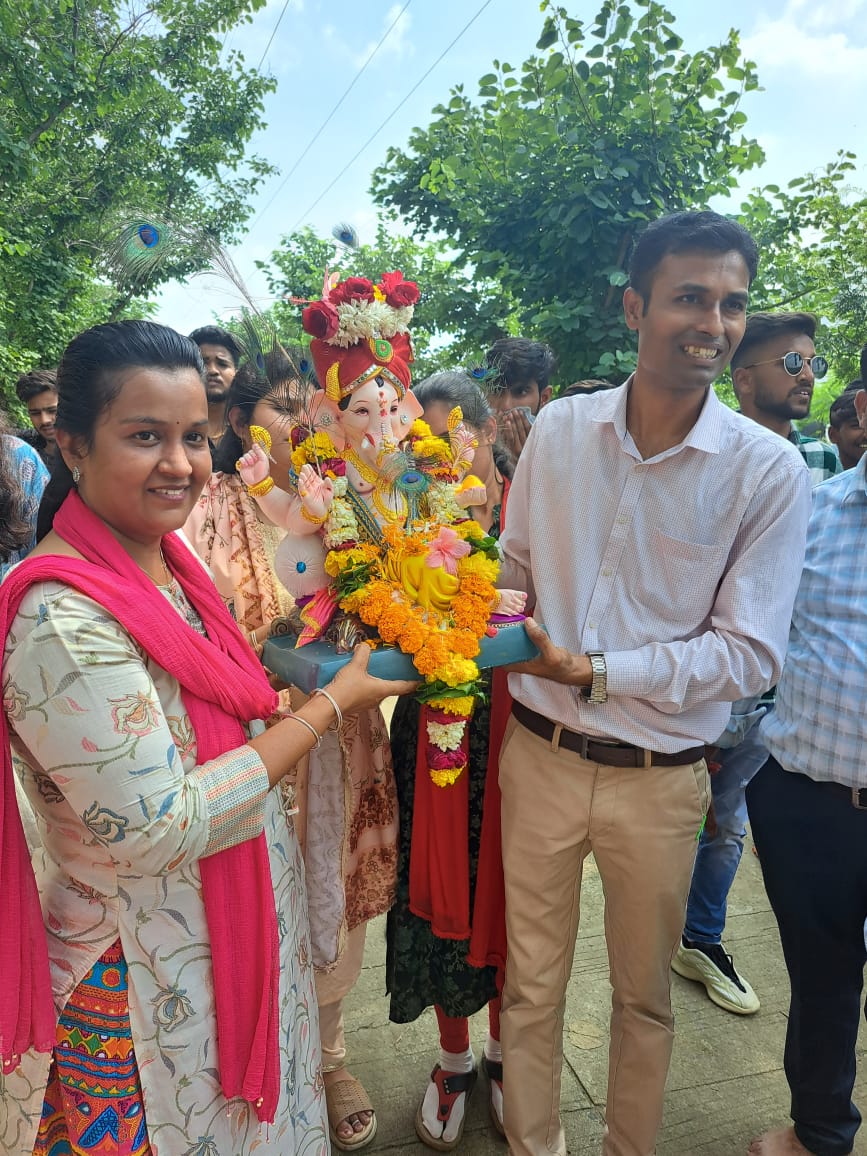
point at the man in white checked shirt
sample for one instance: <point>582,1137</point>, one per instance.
<point>808,810</point>
<point>660,537</point>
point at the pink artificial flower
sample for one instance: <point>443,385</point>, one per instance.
<point>445,550</point>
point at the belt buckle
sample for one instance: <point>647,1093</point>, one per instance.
<point>859,798</point>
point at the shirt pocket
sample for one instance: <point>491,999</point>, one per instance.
<point>681,582</point>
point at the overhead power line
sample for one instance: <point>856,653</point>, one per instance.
<point>273,34</point>
<point>392,114</point>
<point>321,128</point>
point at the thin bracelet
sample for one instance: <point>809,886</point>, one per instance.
<point>317,736</point>
<point>258,646</point>
<point>330,698</point>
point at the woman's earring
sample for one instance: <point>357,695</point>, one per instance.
<point>76,475</point>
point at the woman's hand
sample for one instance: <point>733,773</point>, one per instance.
<point>254,466</point>
<point>354,689</point>
<point>316,493</point>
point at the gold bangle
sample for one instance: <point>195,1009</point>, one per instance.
<point>258,646</point>
<point>312,517</point>
<point>260,489</point>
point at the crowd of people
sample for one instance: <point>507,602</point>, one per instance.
<point>191,850</point>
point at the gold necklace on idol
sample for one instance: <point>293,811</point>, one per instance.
<point>379,487</point>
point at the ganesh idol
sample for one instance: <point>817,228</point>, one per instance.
<point>364,466</point>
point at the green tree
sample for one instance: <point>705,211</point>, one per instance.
<point>545,181</point>
<point>107,109</point>
<point>456,319</point>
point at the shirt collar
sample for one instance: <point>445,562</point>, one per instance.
<point>705,434</point>
<point>856,482</point>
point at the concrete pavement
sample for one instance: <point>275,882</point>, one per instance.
<point>726,1081</point>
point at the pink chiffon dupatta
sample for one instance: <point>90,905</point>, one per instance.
<point>223,686</point>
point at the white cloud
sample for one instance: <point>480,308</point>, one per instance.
<point>397,42</point>
<point>811,41</point>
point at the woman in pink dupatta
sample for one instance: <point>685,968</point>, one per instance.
<point>157,997</point>
<point>347,820</point>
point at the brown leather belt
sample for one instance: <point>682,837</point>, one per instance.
<point>610,754</point>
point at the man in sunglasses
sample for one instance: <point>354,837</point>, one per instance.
<point>774,372</point>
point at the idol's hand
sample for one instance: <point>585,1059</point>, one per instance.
<point>254,466</point>
<point>316,493</point>
<point>471,496</point>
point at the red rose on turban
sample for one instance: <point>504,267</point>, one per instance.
<point>398,292</point>
<point>320,320</point>
<point>352,289</point>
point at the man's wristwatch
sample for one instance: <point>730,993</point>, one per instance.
<point>597,691</point>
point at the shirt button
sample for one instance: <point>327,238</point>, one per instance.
<point>606,573</point>
<point>591,625</point>
<point>622,520</point>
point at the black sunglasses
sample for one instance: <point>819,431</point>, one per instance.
<point>793,363</point>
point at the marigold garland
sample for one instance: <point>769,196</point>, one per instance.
<point>368,578</point>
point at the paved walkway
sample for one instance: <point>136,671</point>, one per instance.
<point>726,1081</point>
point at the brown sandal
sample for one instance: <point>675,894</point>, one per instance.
<point>494,1071</point>
<point>345,1098</point>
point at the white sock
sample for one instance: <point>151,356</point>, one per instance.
<point>459,1062</point>
<point>494,1052</point>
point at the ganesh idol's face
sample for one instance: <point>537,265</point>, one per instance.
<point>371,418</point>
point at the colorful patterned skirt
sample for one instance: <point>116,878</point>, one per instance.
<point>93,1101</point>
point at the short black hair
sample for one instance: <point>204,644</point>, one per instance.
<point>864,362</point>
<point>517,360</point>
<point>586,387</point>
<point>35,382</point>
<point>686,232</point>
<point>762,327</point>
<point>843,407</point>
<point>214,335</point>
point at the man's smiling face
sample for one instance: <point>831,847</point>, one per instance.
<point>693,320</point>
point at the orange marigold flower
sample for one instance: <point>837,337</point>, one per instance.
<point>391,622</point>
<point>464,643</point>
<point>475,584</point>
<point>413,635</point>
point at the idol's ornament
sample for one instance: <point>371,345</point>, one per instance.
<point>382,511</point>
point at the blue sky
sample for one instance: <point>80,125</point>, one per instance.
<point>811,57</point>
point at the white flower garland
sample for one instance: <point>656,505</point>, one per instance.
<point>365,319</point>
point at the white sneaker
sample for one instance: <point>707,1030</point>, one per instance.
<point>708,963</point>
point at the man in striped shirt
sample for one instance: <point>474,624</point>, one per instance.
<point>808,809</point>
